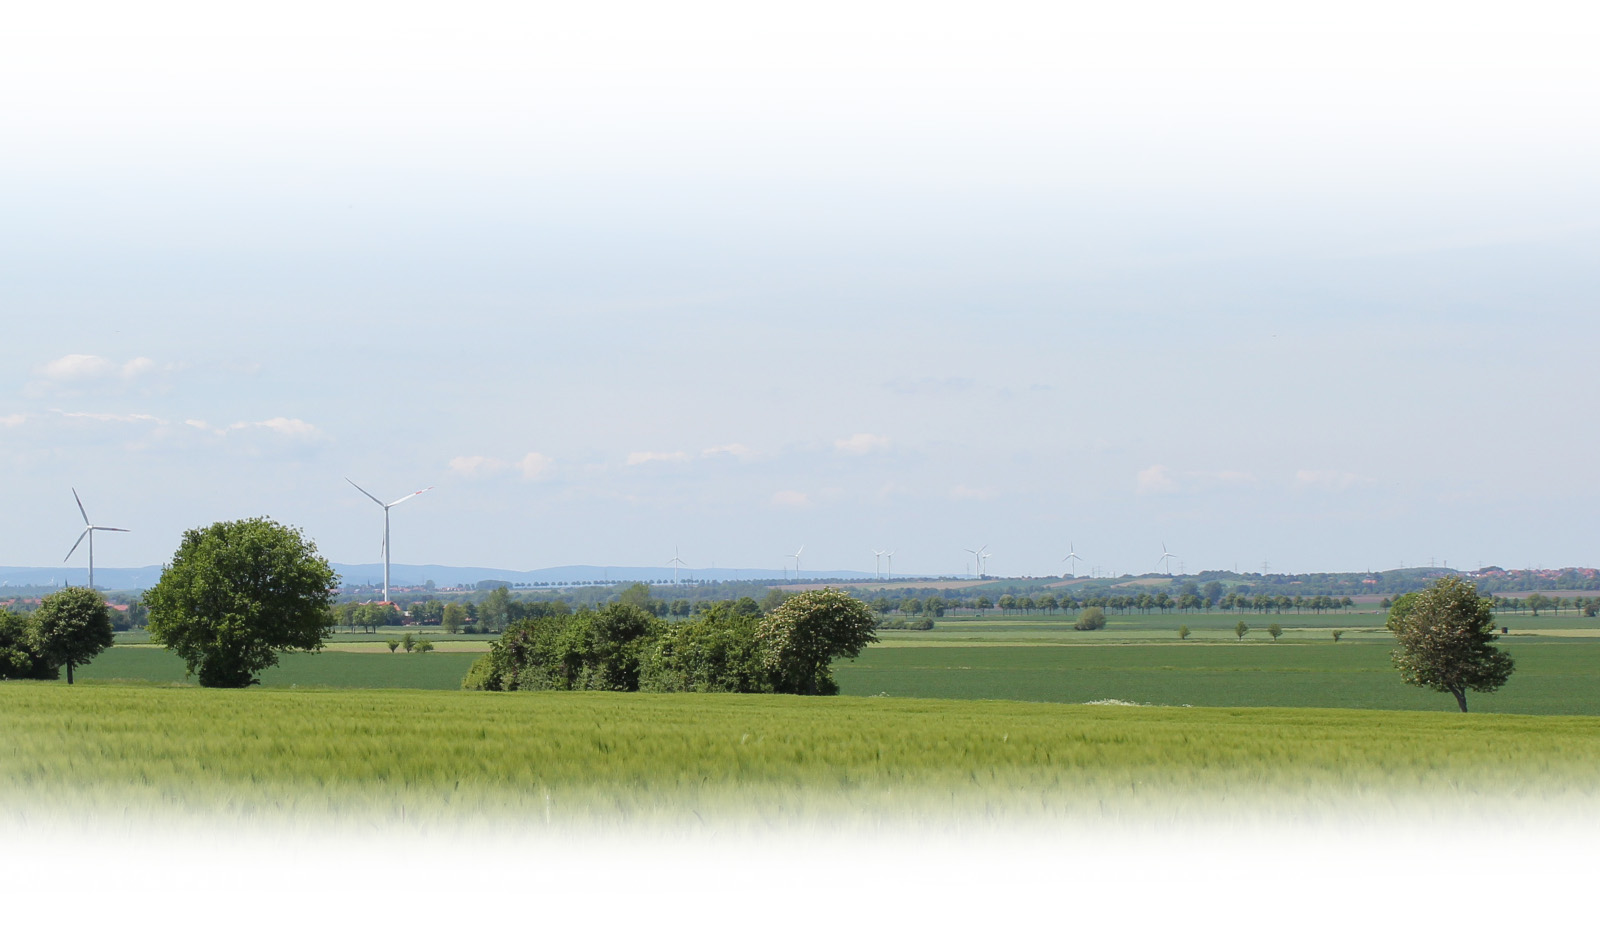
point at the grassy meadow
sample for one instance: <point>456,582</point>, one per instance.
<point>534,759</point>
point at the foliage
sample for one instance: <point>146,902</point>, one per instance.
<point>1091,619</point>
<point>423,646</point>
<point>1445,636</point>
<point>19,650</point>
<point>236,595</point>
<point>567,651</point>
<point>1241,629</point>
<point>394,644</point>
<point>1183,633</point>
<point>715,653</point>
<point>1337,634</point>
<point>71,627</point>
<point>1275,630</point>
<point>802,638</point>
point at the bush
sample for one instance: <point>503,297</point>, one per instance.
<point>1091,619</point>
<point>19,654</point>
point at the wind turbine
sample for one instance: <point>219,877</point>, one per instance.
<point>89,528</point>
<point>386,508</point>
<point>890,556</point>
<point>1074,558</point>
<point>878,571</point>
<point>1166,558</point>
<point>676,563</point>
<point>977,558</point>
<point>796,557</point>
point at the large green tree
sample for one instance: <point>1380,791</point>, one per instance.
<point>802,638</point>
<point>236,595</point>
<point>1445,636</point>
<point>19,650</point>
<point>71,627</point>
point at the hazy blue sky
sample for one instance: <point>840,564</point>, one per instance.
<point>1262,286</point>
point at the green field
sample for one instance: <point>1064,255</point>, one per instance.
<point>1135,659</point>
<point>133,753</point>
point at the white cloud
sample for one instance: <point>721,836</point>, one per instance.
<point>138,367</point>
<point>78,367</point>
<point>1156,479</point>
<point>733,450</point>
<point>861,443</point>
<point>534,465</point>
<point>648,457</point>
<point>1328,480</point>
<point>476,465</point>
<point>290,428</point>
<point>77,371</point>
<point>14,420</point>
<point>791,499</point>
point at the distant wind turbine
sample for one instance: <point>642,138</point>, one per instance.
<point>796,557</point>
<point>676,563</point>
<point>386,508</point>
<point>1166,558</point>
<point>878,570</point>
<point>890,556</point>
<point>977,558</point>
<point>1072,556</point>
<point>89,529</point>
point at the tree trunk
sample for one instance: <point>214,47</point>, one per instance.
<point>69,673</point>
<point>1461,698</point>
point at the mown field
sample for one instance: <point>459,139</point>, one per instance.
<point>527,760</point>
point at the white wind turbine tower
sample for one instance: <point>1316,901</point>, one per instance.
<point>676,563</point>
<point>386,508</point>
<point>796,557</point>
<point>89,528</point>
<point>1166,558</point>
<point>890,556</point>
<point>1072,556</point>
<point>977,558</point>
<point>878,570</point>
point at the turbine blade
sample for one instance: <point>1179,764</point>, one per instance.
<point>75,544</point>
<point>107,528</point>
<point>363,492</point>
<point>80,506</point>
<point>409,496</point>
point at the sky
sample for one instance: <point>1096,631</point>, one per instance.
<point>1311,290</point>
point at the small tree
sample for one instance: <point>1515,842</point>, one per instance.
<point>1241,629</point>
<point>1183,633</point>
<point>1337,634</point>
<point>802,638</point>
<point>1091,619</point>
<point>71,627</point>
<point>409,642</point>
<point>1445,636</point>
<point>1275,630</point>
<point>393,643</point>
<point>423,646</point>
<point>236,595</point>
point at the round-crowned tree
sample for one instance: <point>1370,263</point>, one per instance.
<point>1445,636</point>
<point>800,639</point>
<point>236,595</point>
<point>71,627</point>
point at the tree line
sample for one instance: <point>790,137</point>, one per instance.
<point>727,648</point>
